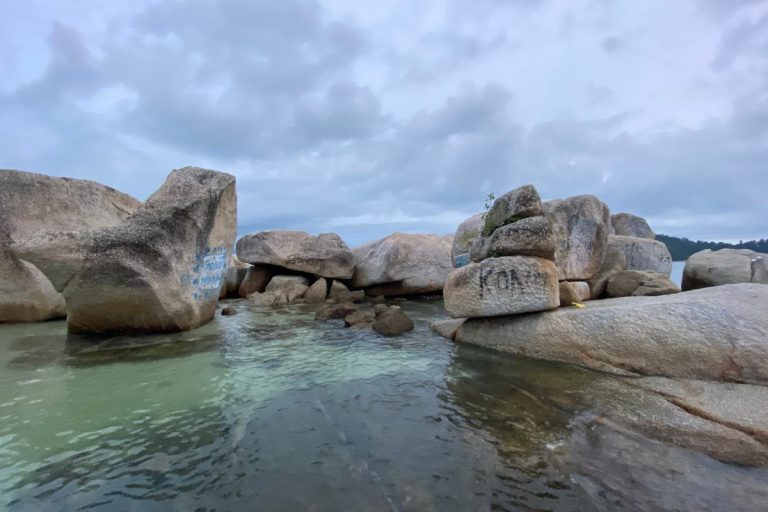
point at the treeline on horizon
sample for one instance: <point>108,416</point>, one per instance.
<point>681,248</point>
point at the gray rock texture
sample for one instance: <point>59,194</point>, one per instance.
<point>514,205</point>
<point>255,280</point>
<point>626,224</point>
<point>573,292</point>
<point>614,261</point>
<point>581,226</point>
<point>463,238</point>
<point>292,287</point>
<point>724,330</point>
<point>391,321</point>
<point>726,266</point>
<point>161,269</point>
<point>318,291</point>
<point>643,253</point>
<point>403,264</point>
<point>638,283</point>
<point>236,272</point>
<point>325,255</point>
<point>502,286</point>
<point>531,236</point>
<point>58,254</point>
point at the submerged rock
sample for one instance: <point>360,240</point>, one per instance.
<point>335,311</point>
<point>502,286</point>
<point>391,320</point>
<point>726,266</point>
<point>626,224</point>
<point>325,255</point>
<point>723,329</point>
<point>161,269</point>
<point>581,226</point>
<point>643,253</point>
<point>360,319</point>
<point>403,264</point>
<point>465,234</point>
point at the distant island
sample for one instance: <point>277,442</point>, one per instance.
<point>682,248</point>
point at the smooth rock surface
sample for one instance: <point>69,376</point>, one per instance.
<point>638,283</point>
<point>643,253</point>
<point>726,266</point>
<point>32,203</point>
<point>335,311</point>
<point>626,224</point>
<point>293,287</point>
<point>724,330</point>
<point>531,236</point>
<point>58,254</point>
<point>360,319</point>
<point>614,261</point>
<point>502,286</point>
<point>391,321</point>
<point>318,291</point>
<point>463,238</point>
<point>325,255</point>
<point>573,292</point>
<point>275,297</point>
<point>255,280</point>
<point>161,269</point>
<point>403,264</point>
<point>516,204</point>
<point>236,272</point>
<point>581,226</point>
<point>447,328</point>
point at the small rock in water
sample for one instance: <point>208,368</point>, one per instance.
<point>391,321</point>
<point>228,311</point>
<point>359,319</point>
<point>335,311</point>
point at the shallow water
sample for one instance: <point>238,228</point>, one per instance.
<point>271,410</point>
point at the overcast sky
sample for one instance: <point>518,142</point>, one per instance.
<point>365,118</point>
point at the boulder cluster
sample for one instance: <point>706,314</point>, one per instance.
<point>524,255</point>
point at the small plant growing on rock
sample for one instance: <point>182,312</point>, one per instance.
<point>490,198</point>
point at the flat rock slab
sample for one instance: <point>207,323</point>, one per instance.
<point>502,286</point>
<point>325,255</point>
<point>718,333</point>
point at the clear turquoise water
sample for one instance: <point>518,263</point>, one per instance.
<point>271,410</point>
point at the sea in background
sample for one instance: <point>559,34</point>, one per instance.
<point>677,272</point>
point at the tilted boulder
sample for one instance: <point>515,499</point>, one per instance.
<point>722,330</point>
<point>515,205</point>
<point>325,255</point>
<point>403,264</point>
<point>318,291</point>
<point>531,236</point>
<point>581,226</point>
<point>643,253</point>
<point>32,203</point>
<point>26,295</point>
<point>502,286</point>
<point>161,269</point>
<point>639,283</point>
<point>726,266</point>
<point>626,224</point>
<point>465,234</point>
<point>255,280</point>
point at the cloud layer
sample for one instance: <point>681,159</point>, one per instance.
<point>363,119</point>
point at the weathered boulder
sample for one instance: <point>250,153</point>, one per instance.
<point>391,320</point>
<point>236,272</point>
<point>614,261</point>
<point>275,297</point>
<point>318,291</point>
<point>463,238</point>
<point>643,253</point>
<point>760,269</point>
<point>160,270</point>
<point>626,224</point>
<point>325,255</point>
<point>58,254</point>
<point>26,295</point>
<point>403,264</point>
<point>581,226</point>
<point>724,330</point>
<point>255,280</point>
<point>638,283</point>
<point>360,319</point>
<point>32,203</point>
<point>531,236</point>
<point>513,206</point>
<point>340,293</point>
<point>502,286</point>
<point>726,266</point>
<point>573,292</point>
<point>292,287</point>
<point>447,328</point>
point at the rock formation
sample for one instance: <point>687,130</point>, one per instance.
<point>626,224</point>
<point>161,269</point>
<point>639,283</point>
<point>726,266</point>
<point>643,253</point>
<point>463,238</point>
<point>391,320</point>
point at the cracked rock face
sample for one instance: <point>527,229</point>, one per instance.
<point>160,270</point>
<point>723,329</point>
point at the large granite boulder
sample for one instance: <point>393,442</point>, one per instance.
<point>58,254</point>
<point>255,280</point>
<point>325,255</point>
<point>614,261</point>
<point>581,226</point>
<point>32,203</point>
<point>161,269</point>
<point>513,206</point>
<point>318,291</point>
<point>531,236</point>
<point>463,238</point>
<point>236,272</point>
<point>643,253</point>
<point>718,333</point>
<point>639,283</point>
<point>291,287</point>
<point>726,266</point>
<point>26,295</point>
<point>502,286</point>
<point>403,264</point>
<point>626,224</point>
